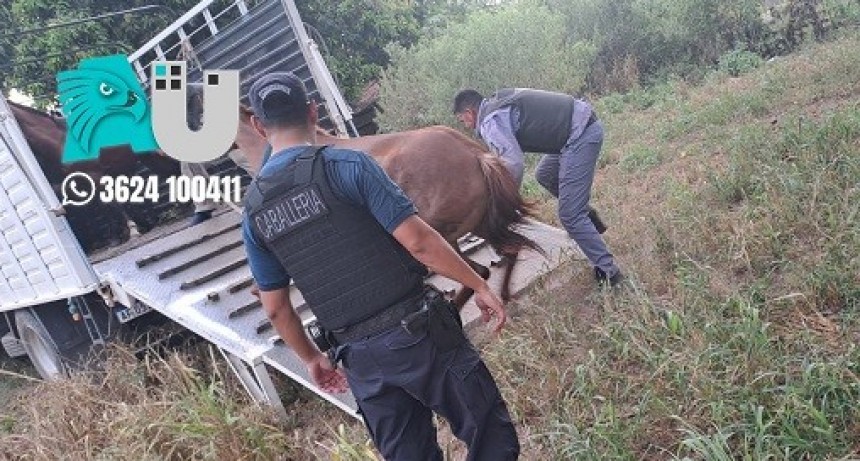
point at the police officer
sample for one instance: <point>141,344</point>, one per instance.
<point>331,220</point>
<point>566,129</point>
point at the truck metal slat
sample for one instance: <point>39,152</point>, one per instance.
<point>176,249</point>
<point>236,47</point>
<point>242,310</point>
<point>237,287</point>
<point>264,326</point>
<point>213,275</point>
<point>198,260</point>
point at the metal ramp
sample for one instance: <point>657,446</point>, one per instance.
<point>199,278</point>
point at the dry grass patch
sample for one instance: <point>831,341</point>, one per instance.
<point>740,339</point>
<point>179,406</point>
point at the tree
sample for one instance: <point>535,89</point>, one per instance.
<point>356,32</point>
<point>6,50</point>
<point>39,55</point>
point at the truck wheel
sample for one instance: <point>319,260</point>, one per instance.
<point>39,346</point>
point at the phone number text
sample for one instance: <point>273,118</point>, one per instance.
<point>180,189</point>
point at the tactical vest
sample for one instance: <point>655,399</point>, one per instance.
<point>344,262</point>
<point>545,117</point>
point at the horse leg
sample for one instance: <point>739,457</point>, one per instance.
<point>465,293</point>
<point>509,260</point>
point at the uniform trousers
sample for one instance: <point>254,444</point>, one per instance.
<point>399,379</point>
<point>569,175</point>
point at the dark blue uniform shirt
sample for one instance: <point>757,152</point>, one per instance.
<point>356,179</point>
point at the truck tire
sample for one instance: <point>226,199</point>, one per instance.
<point>39,346</point>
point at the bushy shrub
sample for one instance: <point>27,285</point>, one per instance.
<point>518,45</point>
<point>355,33</point>
<point>623,39</point>
<point>842,12</point>
<point>637,40</point>
<point>738,62</point>
<point>599,46</point>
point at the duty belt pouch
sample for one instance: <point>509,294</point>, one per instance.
<point>444,325</point>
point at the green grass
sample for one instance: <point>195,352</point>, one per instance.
<point>734,208</point>
<point>640,158</point>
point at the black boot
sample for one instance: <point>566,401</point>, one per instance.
<point>613,282</point>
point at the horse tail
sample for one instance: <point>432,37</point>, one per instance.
<point>506,209</point>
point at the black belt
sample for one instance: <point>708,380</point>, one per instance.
<point>381,321</point>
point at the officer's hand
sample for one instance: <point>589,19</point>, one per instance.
<point>330,379</point>
<point>491,306</point>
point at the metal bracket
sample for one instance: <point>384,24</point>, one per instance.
<point>107,294</point>
<point>256,381</point>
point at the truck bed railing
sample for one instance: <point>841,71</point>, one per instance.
<point>253,36</point>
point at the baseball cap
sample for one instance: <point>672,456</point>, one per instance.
<point>275,96</point>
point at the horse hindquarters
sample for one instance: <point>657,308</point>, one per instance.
<point>506,209</point>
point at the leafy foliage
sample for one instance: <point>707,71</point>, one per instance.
<point>490,50</point>
<point>600,46</point>
<point>353,32</point>
<point>737,62</point>
<point>356,32</point>
<point>6,50</point>
<point>38,56</point>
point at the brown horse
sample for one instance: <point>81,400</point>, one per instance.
<point>46,134</point>
<point>457,186</point>
<point>96,224</point>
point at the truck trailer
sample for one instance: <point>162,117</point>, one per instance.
<point>59,303</point>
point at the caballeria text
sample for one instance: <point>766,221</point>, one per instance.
<point>180,189</point>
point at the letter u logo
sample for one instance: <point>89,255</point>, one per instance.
<point>169,112</point>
